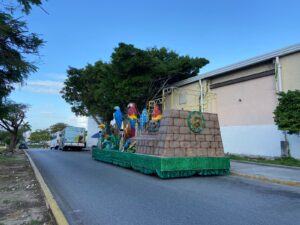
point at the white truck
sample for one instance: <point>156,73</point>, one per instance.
<point>72,138</point>
<point>55,140</point>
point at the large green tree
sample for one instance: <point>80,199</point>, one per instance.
<point>133,75</point>
<point>16,45</point>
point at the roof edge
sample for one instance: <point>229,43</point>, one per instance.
<point>248,62</point>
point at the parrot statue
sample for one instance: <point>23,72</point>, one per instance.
<point>144,119</point>
<point>118,117</point>
<point>132,116</point>
<point>156,114</point>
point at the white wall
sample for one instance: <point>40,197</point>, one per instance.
<point>257,140</point>
<point>294,141</point>
<point>92,128</point>
<point>262,140</point>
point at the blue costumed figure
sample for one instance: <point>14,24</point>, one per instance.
<point>144,119</point>
<point>118,117</point>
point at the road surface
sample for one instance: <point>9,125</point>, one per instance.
<point>94,193</point>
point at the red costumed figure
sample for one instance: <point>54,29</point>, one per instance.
<point>156,114</point>
<point>132,116</point>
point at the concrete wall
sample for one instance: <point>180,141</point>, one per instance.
<point>290,67</point>
<point>294,142</point>
<point>258,140</point>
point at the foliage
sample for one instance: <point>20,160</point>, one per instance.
<point>39,136</point>
<point>24,5</point>
<point>14,122</point>
<point>133,75</point>
<point>16,44</point>
<point>287,113</point>
<point>57,127</point>
<point>4,137</point>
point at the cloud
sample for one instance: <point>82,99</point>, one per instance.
<point>47,113</point>
<point>43,86</point>
<point>55,76</point>
<point>78,121</point>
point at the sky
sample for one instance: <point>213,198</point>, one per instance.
<point>81,32</point>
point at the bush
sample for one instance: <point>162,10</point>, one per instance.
<point>287,113</point>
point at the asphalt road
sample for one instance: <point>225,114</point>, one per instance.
<point>91,192</point>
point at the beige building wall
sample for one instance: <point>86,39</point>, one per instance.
<point>290,69</point>
<point>247,103</point>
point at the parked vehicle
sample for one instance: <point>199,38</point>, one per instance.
<point>72,138</point>
<point>55,140</point>
<point>23,146</point>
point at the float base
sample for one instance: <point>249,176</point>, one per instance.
<point>165,167</point>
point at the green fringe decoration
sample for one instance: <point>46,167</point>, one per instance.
<point>165,167</point>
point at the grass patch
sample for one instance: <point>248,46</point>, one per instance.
<point>6,201</point>
<point>34,222</point>
<point>7,159</point>
<point>11,159</point>
<point>289,161</point>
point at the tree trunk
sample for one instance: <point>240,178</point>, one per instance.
<point>13,142</point>
<point>287,145</point>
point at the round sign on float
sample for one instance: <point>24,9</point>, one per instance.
<point>196,121</point>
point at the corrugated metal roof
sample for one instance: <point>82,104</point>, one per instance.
<point>265,57</point>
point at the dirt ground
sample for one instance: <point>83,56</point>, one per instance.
<point>21,199</point>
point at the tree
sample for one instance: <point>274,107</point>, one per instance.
<point>40,136</point>
<point>287,112</point>
<point>57,127</point>
<point>133,75</point>
<point>16,44</point>
<point>90,91</point>
<point>14,122</point>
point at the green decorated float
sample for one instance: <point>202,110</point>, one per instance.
<point>176,143</point>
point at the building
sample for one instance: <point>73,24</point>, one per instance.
<point>244,96</point>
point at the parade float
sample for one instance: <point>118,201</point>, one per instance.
<point>176,143</point>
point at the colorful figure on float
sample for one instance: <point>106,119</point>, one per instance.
<point>101,135</point>
<point>132,116</point>
<point>118,116</point>
<point>144,119</point>
<point>156,114</point>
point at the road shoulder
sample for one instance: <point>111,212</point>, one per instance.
<point>21,197</point>
<point>268,173</point>
<point>51,202</point>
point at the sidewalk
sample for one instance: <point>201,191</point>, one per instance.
<point>280,175</point>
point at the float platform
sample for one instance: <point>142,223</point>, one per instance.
<point>165,167</point>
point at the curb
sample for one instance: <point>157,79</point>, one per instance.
<point>50,201</point>
<point>267,179</point>
<point>266,164</point>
